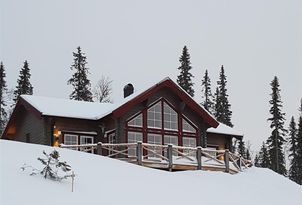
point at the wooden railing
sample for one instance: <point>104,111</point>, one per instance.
<point>168,156</point>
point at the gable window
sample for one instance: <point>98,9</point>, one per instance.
<point>187,127</point>
<point>137,121</point>
<point>70,139</point>
<point>170,118</point>
<point>154,116</point>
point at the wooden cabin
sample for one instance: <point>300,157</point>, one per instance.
<point>161,114</point>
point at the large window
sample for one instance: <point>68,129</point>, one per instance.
<point>189,142</point>
<point>70,139</point>
<point>134,137</point>
<point>170,118</point>
<point>154,116</point>
<point>154,139</point>
<point>171,140</point>
<point>137,121</point>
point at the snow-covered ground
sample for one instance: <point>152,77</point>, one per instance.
<point>101,180</point>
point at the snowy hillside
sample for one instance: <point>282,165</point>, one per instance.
<point>100,180</point>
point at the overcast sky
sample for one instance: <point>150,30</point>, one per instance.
<point>140,42</point>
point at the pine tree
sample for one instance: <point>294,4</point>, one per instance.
<point>184,79</point>
<point>275,141</point>
<point>242,149</point>
<point>222,107</point>
<point>3,89</point>
<point>248,154</point>
<point>207,93</point>
<point>257,161</point>
<point>264,159</point>
<point>293,170</point>
<point>299,148</point>
<point>24,86</point>
<point>79,81</point>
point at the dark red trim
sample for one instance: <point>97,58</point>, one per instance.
<point>168,83</point>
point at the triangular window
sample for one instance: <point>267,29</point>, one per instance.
<point>137,121</point>
<point>187,127</point>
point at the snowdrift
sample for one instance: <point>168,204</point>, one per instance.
<point>101,180</point>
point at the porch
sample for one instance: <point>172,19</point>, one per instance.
<point>169,157</point>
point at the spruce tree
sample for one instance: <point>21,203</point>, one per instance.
<point>275,141</point>
<point>79,81</point>
<point>264,159</point>
<point>24,86</point>
<point>184,79</point>
<point>299,148</point>
<point>207,93</point>
<point>257,161</point>
<point>3,89</point>
<point>222,107</point>
<point>293,170</point>
<point>242,149</point>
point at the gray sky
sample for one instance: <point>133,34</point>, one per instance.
<point>141,42</point>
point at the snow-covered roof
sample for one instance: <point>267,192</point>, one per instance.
<point>81,109</point>
<point>224,129</point>
<point>69,108</point>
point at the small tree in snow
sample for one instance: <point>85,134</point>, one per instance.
<point>52,167</point>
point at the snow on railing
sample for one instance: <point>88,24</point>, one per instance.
<point>169,156</point>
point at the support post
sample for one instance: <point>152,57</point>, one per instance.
<point>99,148</point>
<point>198,157</point>
<point>139,153</point>
<point>240,163</point>
<point>170,157</point>
<point>227,161</point>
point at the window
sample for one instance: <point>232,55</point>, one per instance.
<point>70,139</point>
<point>154,116</point>
<point>137,121</point>
<point>111,140</point>
<point>171,140</point>
<point>154,139</point>
<point>134,137</point>
<point>187,127</point>
<point>86,140</point>
<point>189,142</point>
<point>170,118</point>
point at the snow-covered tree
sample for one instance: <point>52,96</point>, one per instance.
<point>23,83</point>
<point>242,148</point>
<point>3,89</point>
<point>79,81</point>
<point>299,148</point>
<point>53,168</point>
<point>184,79</point>
<point>223,111</point>
<point>276,141</point>
<point>293,170</point>
<point>263,157</point>
<point>207,93</point>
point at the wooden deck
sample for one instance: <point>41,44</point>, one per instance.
<point>169,157</point>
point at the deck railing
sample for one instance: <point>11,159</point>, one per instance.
<point>169,156</point>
